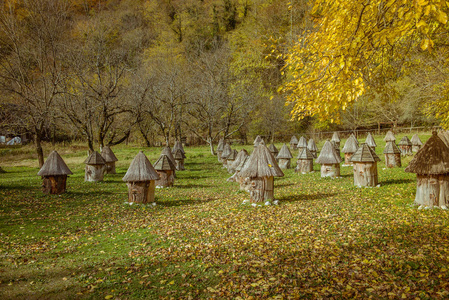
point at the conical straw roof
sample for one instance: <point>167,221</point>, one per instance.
<point>179,155</point>
<point>431,159</point>
<point>242,163</point>
<point>163,163</point>
<point>220,145</point>
<point>405,141</point>
<point>302,143</point>
<point>233,155</point>
<point>273,149</point>
<point>370,140</point>
<point>391,148</point>
<point>311,145</point>
<point>443,137</point>
<point>108,155</point>
<point>356,141</point>
<point>305,154</point>
<point>261,163</point>
<point>240,156</point>
<point>54,166</point>
<point>364,154</point>
<point>284,153</point>
<point>94,158</point>
<point>140,169</point>
<point>178,145</point>
<point>351,145</point>
<point>389,137</point>
<point>294,140</point>
<point>257,140</point>
<point>335,137</point>
<point>167,151</point>
<point>328,155</point>
<point>226,151</point>
<point>416,141</point>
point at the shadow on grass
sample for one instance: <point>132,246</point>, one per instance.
<point>172,203</point>
<point>303,197</point>
<point>396,181</point>
<point>284,184</point>
<point>192,186</point>
<point>20,187</point>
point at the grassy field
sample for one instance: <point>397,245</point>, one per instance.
<point>325,239</point>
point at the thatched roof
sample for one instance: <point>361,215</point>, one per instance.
<point>242,163</point>
<point>416,141</point>
<point>431,159</point>
<point>179,155</point>
<point>94,158</point>
<point>233,155</point>
<point>405,141</point>
<point>302,143</point>
<point>257,140</point>
<point>240,156</point>
<point>54,166</point>
<point>391,148</point>
<point>335,137</point>
<point>443,137</point>
<point>370,140</point>
<point>389,137</point>
<point>178,145</point>
<point>328,155</point>
<point>353,136</point>
<point>140,169</point>
<point>364,154</point>
<point>220,145</point>
<point>226,151</point>
<point>108,155</point>
<point>261,163</point>
<point>351,145</point>
<point>273,149</point>
<point>294,140</point>
<point>284,153</point>
<point>163,163</point>
<point>305,154</point>
<point>167,151</point>
<point>311,145</point>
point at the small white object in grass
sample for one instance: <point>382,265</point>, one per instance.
<point>254,204</point>
<point>159,187</point>
<point>245,201</point>
<point>384,168</point>
<point>420,207</point>
<point>267,203</point>
<point>428,207</point>
<point>131,203</point>
<point>443,207</point>
<point>276,202</point>
<point>378,185</point>
<point>154,203</point>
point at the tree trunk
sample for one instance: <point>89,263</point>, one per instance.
<point>211,145</point>
<point>39,151</point>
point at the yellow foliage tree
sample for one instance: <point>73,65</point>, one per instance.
<point>356,45</point>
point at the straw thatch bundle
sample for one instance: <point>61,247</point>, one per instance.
<point>311,145</point>
<point>178,145</point>
<point>416,143</point>
<point>349,149</point>
<point>406,146</point>
<point>293,142</point>
<point>165,169</point>
<point>431,164</point>
<point>238,160</point>
<point>302,143</point>
<point>329,160</point>
<point>442,135</point>
<point>389,137</point>
<point>179,160</point>
<point>140,179</point>
<point>261,168</point>
<point>110,159</point>
<point>304,163</point>
<point>284,156</point>
<point>95,167</point>
<point>392,155</point>
<point>54,174</point>
<point>365,166</point>
<point>370,141</point>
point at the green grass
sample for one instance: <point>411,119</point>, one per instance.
<point>326,239</point>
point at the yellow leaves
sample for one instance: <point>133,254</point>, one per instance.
<point>441,17</point>
<point>426,44</point>
<point>109,297</point>
<point>422,2</point>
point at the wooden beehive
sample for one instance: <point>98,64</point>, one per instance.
<point>238,159</point>
<point>230,160</point>
<point>110,159</point>
<point>54,174</point>
<point>416,143</point>
<point>293,142</point>
<point>257,141</point>
<point>365,166</point>
<point>178,145</point>
<point>179,160</point>
<point>389,137</point>
<point>261,168</point>
<point>224,155</point>
<point>166,171</point>
<point>273,150</point>
<point>370,141</point>
<point>329,160</point>
<point>406,146</point>
<point>431,165</point>
<point>220,149</point>
<point>392,155</point>
<point>336,142</point>
<point>302,144</point>
<point>95,167</point>
<point>284,157</point>
<point>140,179</point>
<point>311,145</point>
<point>304,164</point>
<point>349,149</point>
